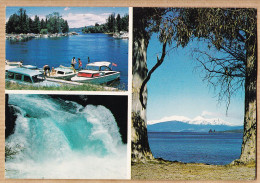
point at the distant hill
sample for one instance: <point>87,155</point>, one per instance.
<point>233,131</point>
<point>178,126</point>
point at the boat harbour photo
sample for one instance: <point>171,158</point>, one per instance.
<point>62,49</point>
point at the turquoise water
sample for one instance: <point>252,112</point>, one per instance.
<point>188,147</point>
<point>60,51</point>
<point>64,140</point>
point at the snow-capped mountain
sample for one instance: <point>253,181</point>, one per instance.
<point>199,120</point>
<point>184,124</point>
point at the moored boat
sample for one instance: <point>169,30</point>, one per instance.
<point>10,64</point>
<point>29,66</point>
<point>97,73</point>
<point>62,73</point>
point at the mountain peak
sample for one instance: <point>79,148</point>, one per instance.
<point>199,120</point>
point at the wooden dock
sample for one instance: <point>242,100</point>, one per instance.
<point>63,81</point>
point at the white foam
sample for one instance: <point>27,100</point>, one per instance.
<point>49,137</point>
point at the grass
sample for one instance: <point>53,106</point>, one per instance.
<point>166,170</point>
<point>86,87</point>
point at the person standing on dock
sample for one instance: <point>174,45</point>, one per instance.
<point>73,63</point>
<point>88,60</point>
<point>46,69</point>
<point>80,64</point>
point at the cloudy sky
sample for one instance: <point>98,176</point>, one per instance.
<point>76,16</point>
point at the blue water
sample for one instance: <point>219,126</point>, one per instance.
<point>60,139</point>
<point>60,51</point>
<point>216,149</point>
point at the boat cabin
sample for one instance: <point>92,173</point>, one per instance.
<point>24,75</point>
<point>63,71</point>
<point>99,66</point>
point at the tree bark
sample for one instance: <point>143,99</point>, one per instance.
<point>140,145</point>
<point>248,153</point>
<point>248,150</point>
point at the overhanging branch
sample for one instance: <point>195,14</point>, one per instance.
<point>159,62</point>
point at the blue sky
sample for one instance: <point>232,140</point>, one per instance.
<point>176,88</point>
<point>76,16</point>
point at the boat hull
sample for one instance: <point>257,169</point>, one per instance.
<point>65,77</point>
<point>97,80</point>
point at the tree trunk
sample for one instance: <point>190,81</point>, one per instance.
<point>248,151</point>
<point>140,146</point>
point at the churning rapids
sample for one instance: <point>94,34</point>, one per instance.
<point>58,139</point>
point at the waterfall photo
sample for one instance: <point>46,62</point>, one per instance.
<point>66,137</point>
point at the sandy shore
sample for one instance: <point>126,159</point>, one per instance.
<point>165,170</point>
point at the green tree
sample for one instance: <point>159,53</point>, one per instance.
<point>125,22</point>
<point>54,23</point>
<point>232,32</point>
<point>111,23</point>
<point>35,25</point>
<point>12,24</point>
<point>145,22</point>
<point>31,28</point>
<point>65,26</point>
<point>118,23</point>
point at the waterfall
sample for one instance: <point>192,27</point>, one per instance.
<point>58,139</point>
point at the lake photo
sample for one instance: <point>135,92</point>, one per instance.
<point>194,94</point>
<point>49,38</point>
<point>66,137</point>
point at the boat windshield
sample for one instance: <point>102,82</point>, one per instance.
<point>93,68</point>
<point>37,79</point>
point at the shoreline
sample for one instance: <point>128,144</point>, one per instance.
<point>159,169</point>
<point>85,87</point>
<point>27,36</point>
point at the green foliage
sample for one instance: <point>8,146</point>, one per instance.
<point>112,25</point>
<point>231,32</point>
<point>20,23</point>
<point>224,30</point>
<point>44,31</point>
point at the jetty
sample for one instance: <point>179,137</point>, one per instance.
<point>64,81</point>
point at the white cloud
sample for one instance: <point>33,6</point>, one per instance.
<point>81,20</point>
<point>66,9</point>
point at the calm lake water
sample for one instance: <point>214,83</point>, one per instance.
<point>59,51</point>
<point>217,149</point>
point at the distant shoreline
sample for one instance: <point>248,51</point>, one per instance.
<point>227,131</point>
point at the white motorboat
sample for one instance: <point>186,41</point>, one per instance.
<point>97,73</point>
<point>29,66</point>
<point>10,65</point>
<point>62,72</point>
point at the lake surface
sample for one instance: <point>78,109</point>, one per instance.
<point>60,51</point>
<point>188,147</point>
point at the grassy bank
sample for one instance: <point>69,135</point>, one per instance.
<point>166,170</point>
<point>86,87</point>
